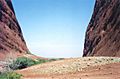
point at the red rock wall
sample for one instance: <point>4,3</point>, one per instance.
<point>11,38</point>
<point>103,32</point>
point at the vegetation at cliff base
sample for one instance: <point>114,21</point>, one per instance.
<point>24,62</point>
<point>10,75</point>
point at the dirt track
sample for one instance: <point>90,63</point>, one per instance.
<point>75,68</point>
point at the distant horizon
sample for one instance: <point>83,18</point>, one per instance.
<point>54,28</point>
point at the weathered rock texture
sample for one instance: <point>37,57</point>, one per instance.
<point>103,32</point>
<point>11,38</point>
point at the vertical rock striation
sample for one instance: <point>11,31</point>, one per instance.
<point>11,38</point>
<point>103,32</point>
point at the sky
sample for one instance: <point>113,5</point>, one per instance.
<point>54,28</point>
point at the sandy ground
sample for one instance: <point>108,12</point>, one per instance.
<point>75,68</point>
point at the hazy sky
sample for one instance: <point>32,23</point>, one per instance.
<point>54,28</point>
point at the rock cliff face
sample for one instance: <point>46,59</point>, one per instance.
<point>11,38</point>
<point>103,32</point>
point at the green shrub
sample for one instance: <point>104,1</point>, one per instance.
<point>40,61</point>
<point>22,62</point>
<point>10,75</point>
<point>55,59</point>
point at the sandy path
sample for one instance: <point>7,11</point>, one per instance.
<point>77,68</point>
